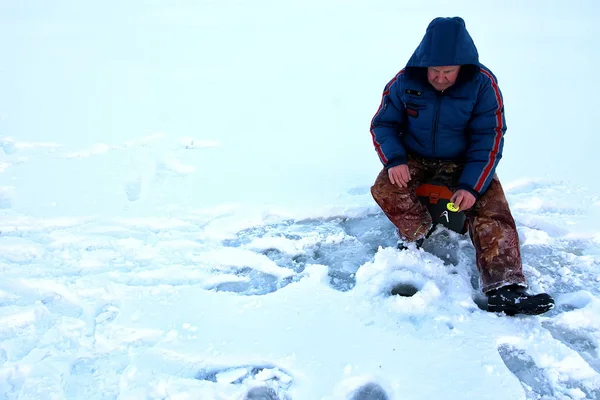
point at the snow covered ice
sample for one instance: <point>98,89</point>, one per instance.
<point>171,229</point>
<point>211,303</point>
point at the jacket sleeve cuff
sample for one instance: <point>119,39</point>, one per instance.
<point>394,162</point>
<point>470,190</point>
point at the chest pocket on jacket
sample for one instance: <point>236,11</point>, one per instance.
<point>413,109</point>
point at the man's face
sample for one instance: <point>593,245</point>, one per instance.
<point>442,78</point>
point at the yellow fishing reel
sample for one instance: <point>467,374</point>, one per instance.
<point>452,207</point>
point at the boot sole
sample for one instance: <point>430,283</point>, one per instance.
<point>512,310</point>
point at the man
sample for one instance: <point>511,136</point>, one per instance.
<point>442,117</point>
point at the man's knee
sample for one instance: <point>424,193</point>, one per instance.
<point>382,186</point>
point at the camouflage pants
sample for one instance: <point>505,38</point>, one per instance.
<point>491,226</point>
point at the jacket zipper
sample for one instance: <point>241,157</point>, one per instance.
<point>438,101</point>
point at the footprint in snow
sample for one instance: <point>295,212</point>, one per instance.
<point>532,377</point>
<point>106,314</point>
<point>370,391</point>
<point>6,198</point>
<point>535,380</point>
<point>8,146</point>
<point>253,283</point>
<point>133,188</point>
<point>58,304</point>
<point>89,376</point>
<point>577,340</point>
<point>359,190</point>
<point>261,393</point>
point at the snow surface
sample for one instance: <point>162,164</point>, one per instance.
<point>185,209</point>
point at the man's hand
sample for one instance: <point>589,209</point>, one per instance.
<point>399,175</point>
<point>463,199</point>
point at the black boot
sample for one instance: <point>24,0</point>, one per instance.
<point>403,245</point>
<point>419,242</point>
<point>514,299</point>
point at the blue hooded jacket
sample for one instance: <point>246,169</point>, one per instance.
<point>463,123</point>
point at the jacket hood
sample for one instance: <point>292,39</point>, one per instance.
<point>446,42</point>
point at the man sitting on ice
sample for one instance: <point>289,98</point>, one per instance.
<point>442,117</point>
